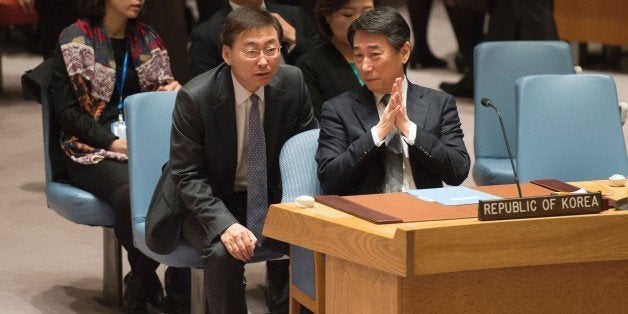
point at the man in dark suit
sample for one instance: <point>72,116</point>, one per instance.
<point>369,144</point>
<point>300,35</point>
<point>229,125</point>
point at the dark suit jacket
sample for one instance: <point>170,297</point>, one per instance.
<point>206,46</point>
<point>350,163</point>
<point>200,175</point>
<point>327,75</point>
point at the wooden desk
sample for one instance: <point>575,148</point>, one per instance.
<point>592,21</point>
<point>569,264</point>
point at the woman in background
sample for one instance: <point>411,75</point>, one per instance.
<point>100,60</point>
<point>330,70</point>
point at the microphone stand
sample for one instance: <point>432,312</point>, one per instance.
<point>487,103</point>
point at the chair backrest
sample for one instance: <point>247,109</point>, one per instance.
<point>298,176</point>
<point>50,137</point>
<point>497,66</point>
<point>298,167</point>
<point>568,128</point>
<point>149,120</point>
<point>67,200</point>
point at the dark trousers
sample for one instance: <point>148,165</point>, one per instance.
<point>109,181</point>
<point>169,20</point>
<point>468,26</point>
<point>419,18</point>
<point>522,20</point>
<point>224,275</point>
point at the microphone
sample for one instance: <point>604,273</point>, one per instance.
<point>487,103</point>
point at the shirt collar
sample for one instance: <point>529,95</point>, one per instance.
<point>404,86</point>
<point>236,6</point>
<point>242,94</point>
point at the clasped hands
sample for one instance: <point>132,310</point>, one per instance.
<point>395,115</point>
<point>239,241</point>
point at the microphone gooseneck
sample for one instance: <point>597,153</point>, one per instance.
<point>487,103</point>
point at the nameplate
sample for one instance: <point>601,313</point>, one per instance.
<point>545,206</point>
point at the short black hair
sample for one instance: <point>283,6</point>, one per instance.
<point>323,9</point>
<point>245,18</point>
<point>383,20</point>
<point>94,10</point>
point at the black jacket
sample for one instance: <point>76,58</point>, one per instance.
<point>203,151</point>
<point>350,163</point>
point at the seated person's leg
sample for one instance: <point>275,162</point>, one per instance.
<point>108,180</point>
<point>224,275</point>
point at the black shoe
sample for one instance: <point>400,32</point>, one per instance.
<point>463,88</point>
<point>278,286</point>
<point>138,292</point>
<point>134,296</point>
<point>154,292</point>
<point>177,283</point>
<point>277,299</point>
<point>426,61</point>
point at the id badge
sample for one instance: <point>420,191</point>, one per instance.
<point>118,128</point>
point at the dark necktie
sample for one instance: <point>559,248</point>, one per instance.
<point>394,159</point>
<point>257,192</point>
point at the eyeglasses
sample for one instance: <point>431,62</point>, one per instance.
<point>254,53</point>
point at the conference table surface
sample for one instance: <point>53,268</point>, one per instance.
<point>465,252</point>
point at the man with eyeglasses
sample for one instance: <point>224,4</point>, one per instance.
<point>300,34</point>
<point>229,125</point>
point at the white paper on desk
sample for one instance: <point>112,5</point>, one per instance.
<point>452,195</point>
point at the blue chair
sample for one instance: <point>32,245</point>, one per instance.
<point>149,120</point>
<point>568,128</point>
<point>298,176</point>
<point>81,207</point>
<point>497,66</point>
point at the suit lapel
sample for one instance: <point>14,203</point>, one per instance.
<point>416,107</point>
<point>273,108</point>
<point>365,109</point>
<point>225,118</point>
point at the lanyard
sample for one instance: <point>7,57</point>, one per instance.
<point>120,83</point>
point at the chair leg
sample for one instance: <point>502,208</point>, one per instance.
<point>112,269</point>
<point>1,81</point>
<point>197,297</point>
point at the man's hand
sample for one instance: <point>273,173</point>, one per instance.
<point>28,6</point>
<point>239,241</point>
<point>289,33</point>
<point>174,85</point>
<point>402,122</point>
<point>118,146</point>
<point>387,121</point>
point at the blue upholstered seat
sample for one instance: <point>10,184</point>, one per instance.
<point>81,207</point>
<point>497,67</point>
<point>149,120</point>
<point>298,176</point>
<point>569,128</point>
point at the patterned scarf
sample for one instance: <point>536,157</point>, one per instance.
<point>89,59</point>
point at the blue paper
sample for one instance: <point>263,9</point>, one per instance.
<point>452,195</point>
